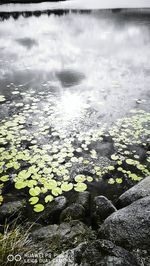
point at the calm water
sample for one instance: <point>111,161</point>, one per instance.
<point>93,66</point>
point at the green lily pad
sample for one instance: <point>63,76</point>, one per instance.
<point>114,157</point>
<point>80,187</point>
<point>2,98</point>
<point>49,198</point>
<point>4,178</point>
<point>111,181</point>
<point>33,200</point>
<point>20,184</point>
<point>80,178</point>
<point>56,191</point>
<point>34,191</point>
<point>89,178</point>
<point>38,208</point>
<point>66,186</point>
<point>119,180</point>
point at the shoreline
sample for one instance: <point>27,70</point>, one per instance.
<point>72,5</point>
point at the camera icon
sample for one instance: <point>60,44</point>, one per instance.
<point>12,257</point>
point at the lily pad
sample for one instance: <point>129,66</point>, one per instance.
<point>33,200</point>
<point>38,208</point>
<point>80,187</point>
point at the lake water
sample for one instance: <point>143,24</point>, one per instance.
<point>71,74</point>
<point>104,55</point>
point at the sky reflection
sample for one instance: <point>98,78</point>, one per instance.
<point>107,54</point>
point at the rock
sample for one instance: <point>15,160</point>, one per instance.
<point>130,226</point>
<point>12,209</point>
<point>97,253</point>
<point>63,235</point>
<point>73,212</point>
<point>141,190</point>
<point>102,208</point>
<point>51,212</point>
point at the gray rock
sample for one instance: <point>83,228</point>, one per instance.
<point>102,208</point>
<point>64,235</point>
<point>11,209</point>
<point>130,226</point>
<point>73,212</point>
<point>97,253</point>
<point>141,190</point>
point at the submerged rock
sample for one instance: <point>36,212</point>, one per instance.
<point>97,253</point>
<point>73,212</point>
<point>102,208</point>
<point>141,190</point>
<point>130,226</point>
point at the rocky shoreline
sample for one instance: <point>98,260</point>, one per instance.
<point>83,231</point>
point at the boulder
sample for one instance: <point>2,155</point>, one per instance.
<point>11,210</point>
<point>130,226</point>
<point>99,252</point>
<point>102,208</point>
<point>141,190</point>
<point>64,236</point>
<point>73,212</point>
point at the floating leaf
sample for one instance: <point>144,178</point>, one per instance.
<point>66,186</point>
<point>89,178</point>
<point>4,178</point>
<point>114,157</point>
<point>38,208</point>
<point>2,98</point>
<point>56,191</point>
<point>111,168</point>
<point>33,200</point>
<point>20,184</point>
<point>80,178</point>
<point>31,183</point>
<point>111,181</point>
<point>49,198</point>
<point>34,191</point>
<point>130,161</point>
<point>119,180</point>
<point>80,187</point>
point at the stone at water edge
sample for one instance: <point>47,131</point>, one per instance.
<point>130,226</point>
<point>73,212</point>
<point>12,209</point>
<point>141,190</point>
<point>97,253</point>
<point>102,208</point>
<point>67,233</point>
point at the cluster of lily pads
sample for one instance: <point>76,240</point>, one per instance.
<point>39,158</point>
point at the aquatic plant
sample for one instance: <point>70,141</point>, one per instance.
<point>39,156</point>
